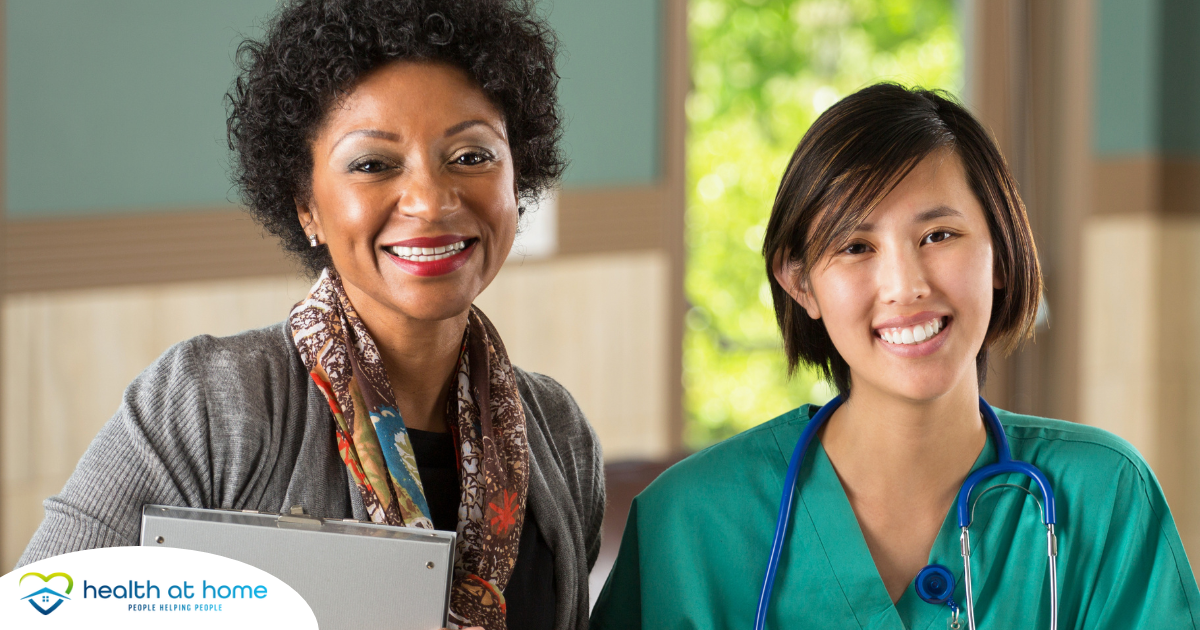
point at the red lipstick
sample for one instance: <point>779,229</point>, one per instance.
<point>430,268</point>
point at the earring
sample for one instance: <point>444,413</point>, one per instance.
<point>312,240</point>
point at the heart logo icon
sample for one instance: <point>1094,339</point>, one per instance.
<point>41,599</point>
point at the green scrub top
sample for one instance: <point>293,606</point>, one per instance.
<point>696,543</point>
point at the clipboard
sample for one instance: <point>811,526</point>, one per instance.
<point>353,574</point>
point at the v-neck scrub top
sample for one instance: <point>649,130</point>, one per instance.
<point>696,543</point>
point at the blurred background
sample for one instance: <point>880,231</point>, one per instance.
<point>639,285</point>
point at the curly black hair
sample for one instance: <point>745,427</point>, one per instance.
<point>314,53</point>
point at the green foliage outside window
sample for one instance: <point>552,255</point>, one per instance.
<point>762,70</point>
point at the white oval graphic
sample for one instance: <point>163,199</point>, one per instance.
<point>148,587</point>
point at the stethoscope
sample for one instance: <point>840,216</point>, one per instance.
<point>934,583</point>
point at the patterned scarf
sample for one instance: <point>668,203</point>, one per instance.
<point>486,418</point>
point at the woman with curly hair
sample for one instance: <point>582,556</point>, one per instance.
<point>390,145</point>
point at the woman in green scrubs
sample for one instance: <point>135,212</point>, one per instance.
<point>899,254</point>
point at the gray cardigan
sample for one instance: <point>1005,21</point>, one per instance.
<point>236,422</point>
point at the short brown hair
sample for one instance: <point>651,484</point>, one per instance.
<point>848,161</point>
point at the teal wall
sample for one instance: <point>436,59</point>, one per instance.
<point>1181,72</point>
<point>1127,76</point>
<point>117,105</point>
<point>1147,78</point>
<point>610,89</point>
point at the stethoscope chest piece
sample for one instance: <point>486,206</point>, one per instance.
<point>935,585</point>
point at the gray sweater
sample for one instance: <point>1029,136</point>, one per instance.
<point>236,423</point>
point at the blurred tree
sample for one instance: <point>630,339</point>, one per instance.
<point>762,71</point>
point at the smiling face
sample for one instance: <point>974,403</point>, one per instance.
<point>907,301</point>
<point>413,192</point>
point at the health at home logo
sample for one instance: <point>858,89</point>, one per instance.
<point>148,588</point>
<point>46,600</point>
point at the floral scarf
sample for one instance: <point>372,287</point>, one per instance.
<point>487,420</point>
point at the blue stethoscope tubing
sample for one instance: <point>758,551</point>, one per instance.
<point>1005,464</point>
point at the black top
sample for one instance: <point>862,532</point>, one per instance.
<point>530,591</point>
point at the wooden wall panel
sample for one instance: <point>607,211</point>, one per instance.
<point>138,248</point>
<point>1147,185</point>
<point>598,325</point>
<point>611,220</point>
<point>1140,347</point>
